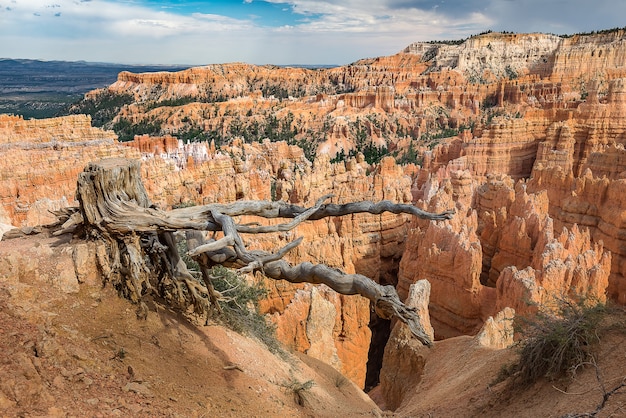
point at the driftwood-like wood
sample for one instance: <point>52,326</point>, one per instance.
<point>139,254</point>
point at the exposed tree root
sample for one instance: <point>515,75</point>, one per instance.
<point>139,255</point>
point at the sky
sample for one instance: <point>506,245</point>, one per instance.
<point>282,32</point>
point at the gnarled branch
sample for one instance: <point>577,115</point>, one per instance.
<point>142,255</point>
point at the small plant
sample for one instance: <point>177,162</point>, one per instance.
<point>181,246</point>
<point>240,309</point>
<point>238,302</point>
<point>559,342</point>
<point>510,72</point>
<point>299,390</point>
<point>340,380</point>
<point>506,371</point>
<point>411,155</point>
<point>430,54</point>
<point>102,107</point>
<point>273,190</point>
<point>119,354</point>
<point>126,130</point>
<point>186,204</point>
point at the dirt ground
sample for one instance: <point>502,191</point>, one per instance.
<point>462,379</point>
<point>85,353</point>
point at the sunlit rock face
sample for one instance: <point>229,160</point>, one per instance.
<point>41,159</point>
<point>571,162</point>
<point>503,252</point>
<point>405,357</point>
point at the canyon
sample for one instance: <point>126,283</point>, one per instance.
<point>521,134</point>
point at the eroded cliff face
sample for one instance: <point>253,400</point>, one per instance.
<point>427,92</point>
<point>504,251</point>
<point>570,155</point>
<point>41,162</point>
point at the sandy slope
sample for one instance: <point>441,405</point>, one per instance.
<point>461,379</point>
<point>85,353</point>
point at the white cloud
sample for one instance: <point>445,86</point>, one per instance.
<point>379,16</point>
<point>327,31</point>
<point>109,18</point>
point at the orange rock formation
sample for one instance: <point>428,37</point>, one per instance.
<point>523,134</point>
<point>41,162</point>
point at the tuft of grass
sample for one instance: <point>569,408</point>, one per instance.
<point>119,354</point>
<point>183,248</point>
<point>239,302</point>
<point>506,371</point>
<point>340,380</point>
<point>557,343</point>
<point>185,204</point>
<point>299,390</point>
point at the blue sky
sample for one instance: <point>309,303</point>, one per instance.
<point>272,31</point>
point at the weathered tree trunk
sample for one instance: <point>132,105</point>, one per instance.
<point>139,255</point>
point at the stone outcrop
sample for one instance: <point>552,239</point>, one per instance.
<point>504,252</point>
<point>494,56</point>
<point>593,203</point>
<point>23,265</point>
<point>571,151</point>
<point>405,357</point>
<point>405,360</point>
<point>323,324</point>
<point>498,331</point>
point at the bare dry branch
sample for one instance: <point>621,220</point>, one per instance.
<point>286,226</point>
<point>139,252</point>
<point>212,246</point>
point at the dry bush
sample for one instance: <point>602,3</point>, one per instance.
<point>557,343</point>
<point>299,390</point>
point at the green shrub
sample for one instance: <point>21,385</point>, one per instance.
<point>126,130</point>
<point>240,307</point>
<point>506,370</point>
<point>559,342</point>
<point>178,101</point>
<point>102,107</point>
<point>239,303</point>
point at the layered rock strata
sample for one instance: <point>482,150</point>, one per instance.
<point>534,165</point>
<point>41,162</point>
<point>395,100</point>
<point>573,154</point>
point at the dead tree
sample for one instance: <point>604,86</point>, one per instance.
<point>137,249</point>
